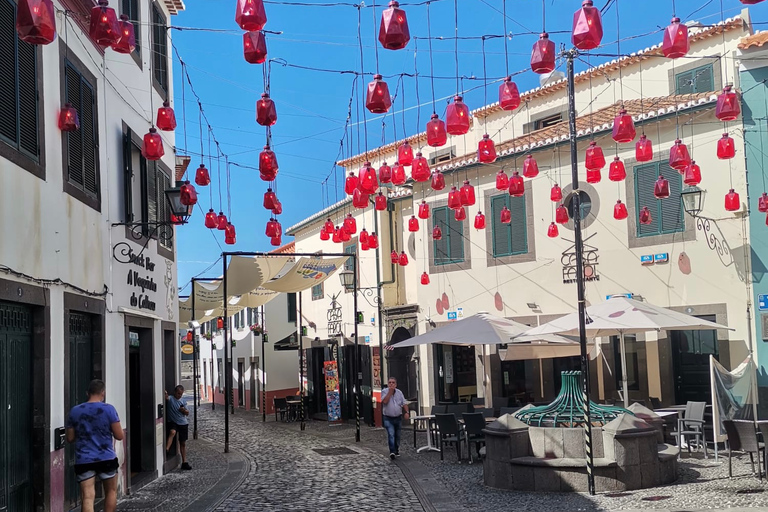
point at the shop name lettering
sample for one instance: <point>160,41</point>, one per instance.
<point>141,301</point>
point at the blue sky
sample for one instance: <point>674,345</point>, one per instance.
<point>312,105</point>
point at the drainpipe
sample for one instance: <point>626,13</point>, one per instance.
<point>748,281</point>
<point>380,283</point>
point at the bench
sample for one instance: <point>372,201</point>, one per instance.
<point>599,462</point>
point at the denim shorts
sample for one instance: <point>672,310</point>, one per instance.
<point>104,470</point>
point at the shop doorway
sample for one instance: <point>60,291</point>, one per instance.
<point>254,385</point>
<point>400,364</point>
<point>241,382</point>
<point>171,351</point>
<point>513,383</point>
<point>455,373</point>
<point>141,404</point>
<point>690,363</point>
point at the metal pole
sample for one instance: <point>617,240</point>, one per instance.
<point>301,368</point>
<point>624,384</point>
<point>263,369</point>
<point>227,371</point>
<point>378,305</point>
<point>196,342</point>
<point>214,364</point>
<point>570,55</point>
<point>358,373</point>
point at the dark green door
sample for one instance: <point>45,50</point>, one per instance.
<point>690,362</point>
<point>80,369</point>
<point>15,408</point>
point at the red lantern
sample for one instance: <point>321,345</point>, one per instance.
<point>221,221</point>
<point>454,198</point>
<point>762,203</point>
<point>403,259</point>
<point>623,127</point>
<point>210,219</point>
<point>255,47</point>
<point>405,154</point>
<point>617,172</point>
<point>467,194</point>
<point>276,241</point>
<point>728,108</point>
<point>460,214</point>
<point>267,164</point>
<point>552,231</point>
<point>438,181</point>
<point>278,209</point>
<point>271,229</point>
<point>675,42</point>
<point>506,215</point>
<point>266,114</point>
<point>678,156</point>
<point>250,15</point>
<point>750,2</point>
<point>543,55</point>
<point>457,117</point>
<point>661,188</point>
<point>166,118</point>
<point>373,240</point>
<point>188,194</point>
<point>378,101</point>
<point>364,245</point>
<point>344,235</point>
<point>424,278</point>
<point>420,168</point>
<point>127,42</point>
<point>35,21</point>
<point>398,175</point>
<point>68,119</point>
<point>595,158</point>
<point>350,224</point>
<point>644,149</point>
<point>556,193</point>
<point>645,216</point>
<point>153,145</point>
<point>561,214</point>
<point>393,257</point>
<point>732,201</point>
<point>437,234</point>
<point>359,199</point>
<point>393,30</point>
<point>725,147</point>
<point>594,176</point>
<point>363,236</point>
<point>502,180</point>
<point>486,150</point>
<point>620,211</point>
<point>189,336</point>
<point>436,135</point>
<point>587,27</point>
<point>385,173</point>
<point>380,202</point>
<point>219,323</point>
<point>423,210</point>
<point>328,227</point>
<point>336,236</point>
<point>230,237</point>
<point>479,221</point>
<point>269,199</point>
<point>692,175</point>
<point>516,185</point>
<point>367,181</point>
<point>530,167</point>
<point>324,236</point>
<point>509,96</point>
<point>413,224</point>
<point>104,29</point>
<point>350,185</point>
<point>202,177</point>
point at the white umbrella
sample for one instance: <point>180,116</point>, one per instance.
<point>620,315</point>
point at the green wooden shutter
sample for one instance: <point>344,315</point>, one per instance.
<point>439,218</point>
<point>74,140</point>
<point>645,177</point>
<point>671,208</point>
<point>519,226</point>
<point>8,68</point>
<point>87,114</point>
<point>703,79</point>
<point>500,232</point>
<point>684,82</point>
<point>152,213</point>
<point>127,176</point>
<point>455,238</point>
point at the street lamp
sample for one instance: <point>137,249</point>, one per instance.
<point>180,211</point>
<point>691,198</point>
<point>347,279</point>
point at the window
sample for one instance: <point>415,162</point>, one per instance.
<point>509,239</point>
<point>548,121</point>
<point>159,50</point>
<point>20,122</point>
<point>81,147</point>
<point>667,214</point>
<point>585,204</point>
<point>318,292</point>
<point>450,248</point>
<point>131,9</point>
<point>633,368</point>
<point>249,316</point>
<point>701,79</point>
<point>442,155</point>
<point>236,321</point>
<point>291,307</point>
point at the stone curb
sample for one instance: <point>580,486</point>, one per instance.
<point>237,470</point>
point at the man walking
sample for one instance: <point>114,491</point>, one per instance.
<point>394,409</point>
<point>178,424</point>
<point>92,426</point>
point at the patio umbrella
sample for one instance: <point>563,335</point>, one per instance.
<point>620,315</point>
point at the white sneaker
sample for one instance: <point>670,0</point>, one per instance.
<point>391,456</point>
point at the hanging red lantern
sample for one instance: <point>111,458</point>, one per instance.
<point>502,180</point>
<point>269,199</point>
<point>725,147</point>
<point>378,100</point>
<point>424,278</point>
<point>276,241</point>
<point>423,210</point>
<point>127,42</point>
<point>405,154</point>
<point>350,184</point>
<point>104,29</point>
<point>413,224</point>
<point>336,238</point>
<point>530,167</point>
<point>454,198</point>
<point>385,173</point>
<point>750,2</point>
<point>436,135</point>
<point>188,194</point>
<point>344,235</point>
<point>678,156</point>
<point>393,257</point>
<point>350,224</point>
<point>552,231</point>
<point>210,219</point>
<point>68,119</point>
<point>219,323</point>
<point>457,117</point>
<point>278,209</point>
<point>373,240</point>
<point>271,229</point>
<point>561,214</point>
<point>363,236</point>
<point>403,259</point>
<point>221,221</point>
<point>420,168</point>
<point>359,199</point>
<point>437,233</point>
<point>620,211</point>
<point>324,236</point>
<point>328,227</point>
<point>556,193</point>
<point>506,215</point>
<point>438,180</point>
<point>587,27</point>
<point>467,194</point>
<point>661,188</point>
<point>202,178</point>
<point>250,14</point>
<point>166,118</point>
<point>479,221</point>
<point>255,47</point>
<point>595,159</point>
<point>398,175</point>
<point>645,216</point>
<point>393,30</point>
<point>516,185</point>
<point>644,149</point>
<point>762,203</point>
<point>460,214</point>
<point>675,43</point>
<point>692,174</point>
<point>266,113</point>
<point>267,164</point>
<point>728,108</point>
<point>367,181</point>
<point>380,202</point>
<point>153,145</point>
<point>189,336</point>
<point>364,245</point>
<point>594,176</point>
<point>543,55</point>
<point>230,237</point>
<point>617,172</point>
<point>278,228</point>
<point>486,150</point>
<point>732,201</point>
<point>509,96</point>
<point>623,127</point>
<point>36,21</point>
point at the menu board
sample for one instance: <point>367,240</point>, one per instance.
<point>332,390</point>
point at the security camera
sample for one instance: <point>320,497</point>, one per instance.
<point>193,324</point>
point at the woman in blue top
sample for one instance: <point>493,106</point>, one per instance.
<point>93,426</point>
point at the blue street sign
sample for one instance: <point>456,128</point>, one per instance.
<point>662,257</point>
<point>627,295</point>
<point>645,259</point>
<point>451,315</point>
<point>762,302</point>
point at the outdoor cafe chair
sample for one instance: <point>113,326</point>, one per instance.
<point>655,402</point>
<point>426,424</point>
<point>281,406</point>
<point>763,427</point>
<point>459,408</point>
<point>450,432</point>
<point>487,412</point>
<point>691,426</point>
<point>742,437</point>
<point>474,423</point>
<point>508,410</point>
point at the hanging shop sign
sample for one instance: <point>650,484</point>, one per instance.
<point>187,349</point>
<point>334,318</point>
<point>141,284</point>
<point>332,390</point>
<point>376,368</point>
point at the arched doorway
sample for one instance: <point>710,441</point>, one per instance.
<point>401,365</point>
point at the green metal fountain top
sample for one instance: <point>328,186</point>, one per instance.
<point>568,409</point>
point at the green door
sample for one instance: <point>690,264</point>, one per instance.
<point>80,374</point>
<point>15,408</point>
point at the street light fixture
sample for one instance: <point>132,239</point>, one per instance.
<point>347,279</point>
<point>181,211</point>
<point>691,198</point>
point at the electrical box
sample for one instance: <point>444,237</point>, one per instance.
<point>160,410</point>
<point>59,438</point>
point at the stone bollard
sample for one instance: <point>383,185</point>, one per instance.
<point>505,439</point>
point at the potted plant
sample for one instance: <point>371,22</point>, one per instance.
<point>256,329</point>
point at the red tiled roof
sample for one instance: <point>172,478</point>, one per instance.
<point>182,162</point>
<point>288,248</point>
<point>758,39</point>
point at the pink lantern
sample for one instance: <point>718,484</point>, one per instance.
<point>552,231</point>
<point>267,164</point>
<point>328,227</point>
<point>344,235</point>
<point>516,185</point>
<point>413,224</point>
<point>405,154</point>
<point>645,216</point>
<point>423,210</point>
<point>436,135</point>
<point>380,202</point>
<point>623,127</point>
<point>479,221</point>
<point>385,173</point>
<point>254,47</point>
<point>454,198</point>
<point>617,172</point>
<point>276,241</point>
<point>230,237</point>
<point>556,193</point>
<point>644,149</point>
<point>250,14</point>
<point>732,201</point>
<point>460,214</point>
<point>393,30</point>
<point>595,159</point>
<point>438,181</point>
<point>661,188</point>
<point>36,21</point>
<point>278,209</point>
<point>378,100</point>
<point>363,236</point>
<point>725,147</point>
<point>509,96</point>
<point>457,117</point>
<point>486,150</point>
<point>367,181</point>
<point>728,108</point>
<point>692,174</point>
<point>620,211</point>
<point>210,219</point>
<point>373,240</point>
<point>188,194</point>
<point>561,214</point>
<point>467,194</point>
<point>675,43</point>
<point>678,156</point>
<point>221,222</point>
<point>530,167</point>
<point>420,168</point>
<point>336,236</point>
<point>271,229</point>
<point>266,113</point>
<point>587,27</point>
<point>543,55</point>
<point>506,215</point>
<point>350,224</point>
<point>502,180</point>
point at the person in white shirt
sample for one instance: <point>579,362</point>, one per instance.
<point>394,409</point>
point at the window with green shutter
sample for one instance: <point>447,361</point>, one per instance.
<point>509,239</point>
<point>317,292</point>
<point>450,248</point>
<point>81,145</point>
<point>667,214</point>
<point>701,79</point>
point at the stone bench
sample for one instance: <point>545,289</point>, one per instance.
<point>599,462</point>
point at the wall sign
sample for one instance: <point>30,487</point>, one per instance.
<point>139,280</point>
<point>334,317</point>
<point>762,302</point>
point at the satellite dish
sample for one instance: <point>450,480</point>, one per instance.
<point>550,78</point>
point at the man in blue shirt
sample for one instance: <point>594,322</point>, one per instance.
<point>394,409</point>
<point>92,426</point>
<point>178,424</point>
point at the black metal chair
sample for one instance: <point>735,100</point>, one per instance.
<point>478,401</point>
<point>450,432</point>
<point>742,437</point>
<point>487,412</point>
<point>763,428</point>
<point>281,406</point>
<point>655,402</point>
<point>691,426</point>
<point>460,408</point>
<point>508,410</point>
<point>474,423</point>
<point>426,425</point>
<point>499,401</point>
